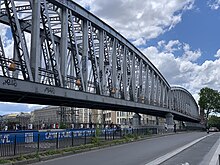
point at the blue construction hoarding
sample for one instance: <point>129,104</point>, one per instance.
<point>30,136</point>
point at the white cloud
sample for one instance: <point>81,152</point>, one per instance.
<point>139,42</point>
<point>190,55</point>
<point>171,46</point>
<point>84,3</point>
<point>139,19</point>
<point>143,20</point>
<point>183,70</point>
<point>214,4</point>
<point>7,41</point>
<point>7,107</point>
<point>218,54</point>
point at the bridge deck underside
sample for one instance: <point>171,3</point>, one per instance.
<point>45,95</point>
<point>62,54</point>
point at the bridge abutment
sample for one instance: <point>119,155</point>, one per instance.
<point>169,120</point>
<point>136,120</point>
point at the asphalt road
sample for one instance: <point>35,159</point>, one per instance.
<point>198,154</point>
<point>136,153</point>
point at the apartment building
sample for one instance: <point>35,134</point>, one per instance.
<point>126,118</point>
<point>69,115</point>
<point>51,115</point>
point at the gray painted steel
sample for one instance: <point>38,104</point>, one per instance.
<point>78,60</point>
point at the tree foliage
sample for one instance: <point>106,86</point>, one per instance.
<point>209,100</point>
<point>214,121</point>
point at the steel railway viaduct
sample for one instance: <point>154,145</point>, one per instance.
<point>64,55</point>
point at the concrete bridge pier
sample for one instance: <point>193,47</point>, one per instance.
<point>169,121</point>
<point>136,120</point>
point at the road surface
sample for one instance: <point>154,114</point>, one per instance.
<point>148,152</point>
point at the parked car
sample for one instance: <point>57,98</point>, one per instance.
<point>213,129</point>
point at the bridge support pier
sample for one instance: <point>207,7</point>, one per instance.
<point>169,121</point>
<point>136,120</point>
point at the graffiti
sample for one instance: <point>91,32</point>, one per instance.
<point>50,90</point>
<point>4,139</point>
<point>65,134</point>
<point>29,137</point>
<point>11,82</point>
<point>51,135</point>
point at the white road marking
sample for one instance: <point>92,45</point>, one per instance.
<point>216,156</point>
<point>185,163</point>
<point>173,153</point>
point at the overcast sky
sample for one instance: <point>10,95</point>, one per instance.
<point>180,37</point>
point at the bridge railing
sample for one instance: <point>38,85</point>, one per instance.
<point>73,49</point>
<point>92,58</point>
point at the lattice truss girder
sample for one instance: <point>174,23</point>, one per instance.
<point>183,102</point>
<point>57,46</point>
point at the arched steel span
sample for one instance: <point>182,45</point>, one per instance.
<point>64,55</point>
<point>182,101</point>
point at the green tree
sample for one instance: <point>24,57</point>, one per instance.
<point>63,125</point>
<point>214,121</point>
<point>209,101</point>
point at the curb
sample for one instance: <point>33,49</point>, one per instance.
<point>44,158</point>
<point>215,160</point>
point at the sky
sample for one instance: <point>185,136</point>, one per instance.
<point>180,37</point>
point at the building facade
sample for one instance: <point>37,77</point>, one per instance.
<point>54,116</point>
<point>126,118</point>
<point>50,116</point>
<point>46,116</point>
<point>16,121</point>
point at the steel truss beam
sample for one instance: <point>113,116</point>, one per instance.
<point>71,48</point>
<point>92,32</point>
<point>19,39</point>
<point>75,49</point>
<point>50,44</point>
<point>3,60</point>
